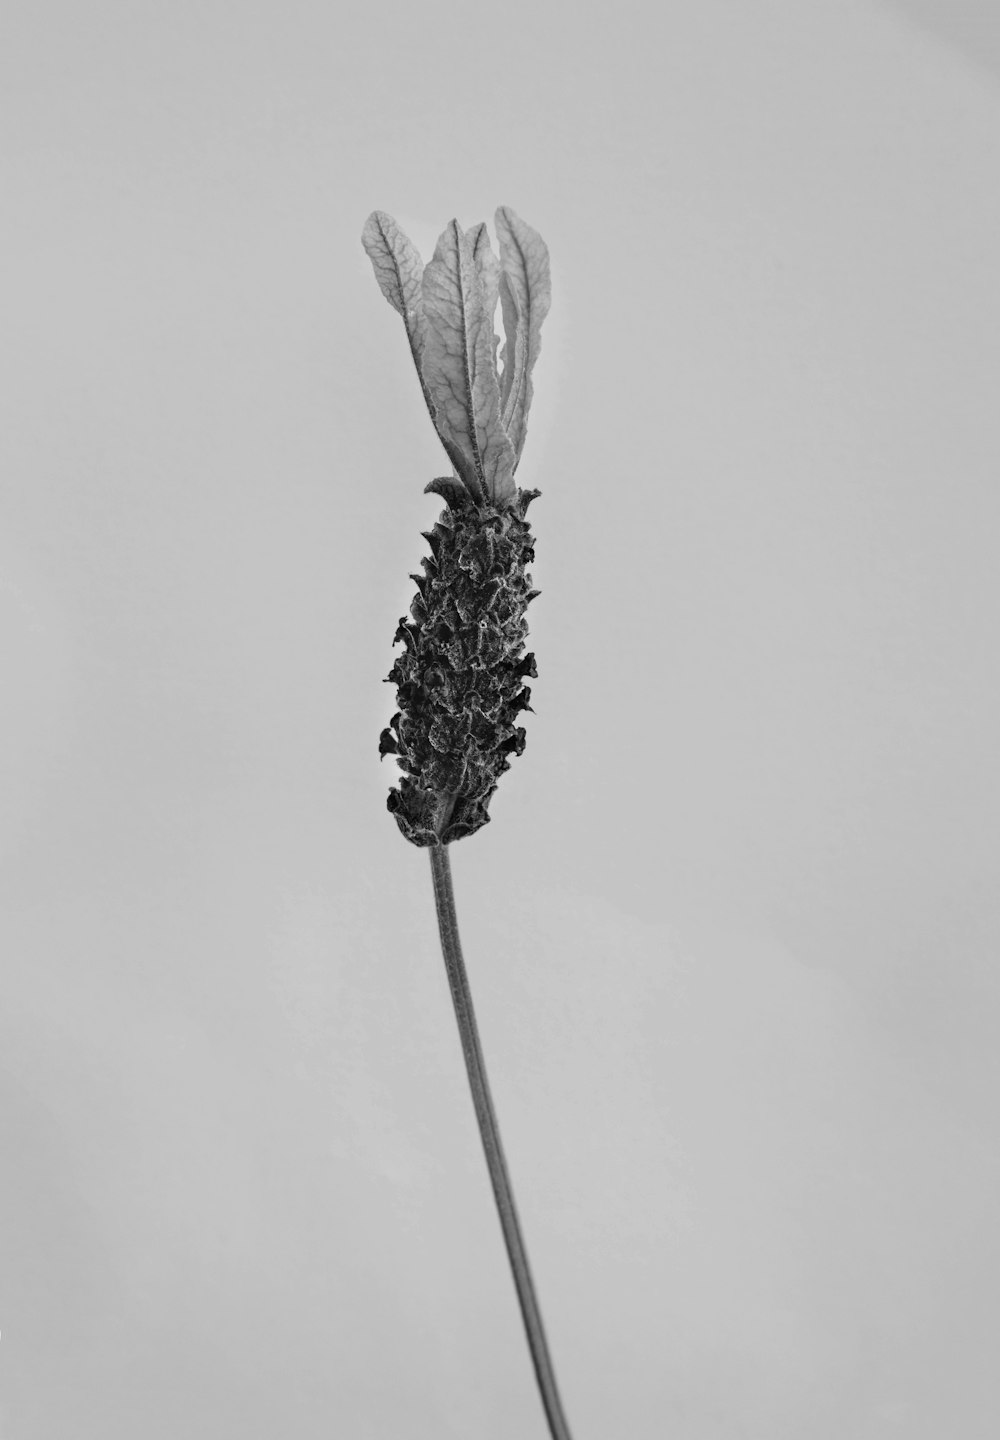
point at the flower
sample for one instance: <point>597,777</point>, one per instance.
<point>459,680</point>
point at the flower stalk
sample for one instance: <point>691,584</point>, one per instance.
<point>460,679</point>
<point>489,1130</point>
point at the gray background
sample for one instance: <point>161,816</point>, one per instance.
<point>733,929</point>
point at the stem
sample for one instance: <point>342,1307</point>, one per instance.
<point>489,1130</point>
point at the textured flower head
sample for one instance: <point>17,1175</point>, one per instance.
<point>479,411</point>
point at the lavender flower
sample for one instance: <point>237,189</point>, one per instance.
<point>460,679</point>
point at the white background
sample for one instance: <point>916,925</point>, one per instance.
<point>733,929</point>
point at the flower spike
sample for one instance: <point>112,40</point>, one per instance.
<point>460,680</point>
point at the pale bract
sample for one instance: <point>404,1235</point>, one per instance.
<point>479,410</point>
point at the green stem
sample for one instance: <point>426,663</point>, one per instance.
<point>444,898</point>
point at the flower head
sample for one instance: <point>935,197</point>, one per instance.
<point>460,678</point>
